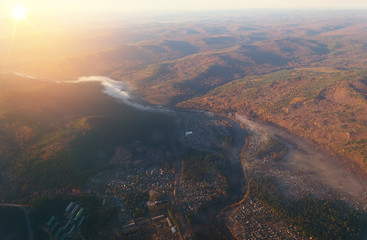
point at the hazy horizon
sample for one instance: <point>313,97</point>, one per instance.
<point>45,19</point>
<point>83,6</point>
<point>82,10</point>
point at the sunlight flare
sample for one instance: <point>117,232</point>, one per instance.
<point>19,12</point>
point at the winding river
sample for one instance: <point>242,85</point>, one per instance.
<point>303,156</point>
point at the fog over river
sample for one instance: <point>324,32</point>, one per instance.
<point>320,166</point>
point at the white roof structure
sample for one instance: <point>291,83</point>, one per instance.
<point>188,133</point>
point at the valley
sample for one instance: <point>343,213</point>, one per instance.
<point>247,126</point>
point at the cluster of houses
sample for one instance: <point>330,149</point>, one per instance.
<point>251,220</point>
<point>124,215</point>
<point>66,226</point>
<point>161,225</point>
<point>111,185</point>
<point>117,182</point>
<point>195,194</point>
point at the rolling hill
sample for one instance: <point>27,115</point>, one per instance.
<point>302,72</point>
<point>326,106</point>
<point>54,136</point>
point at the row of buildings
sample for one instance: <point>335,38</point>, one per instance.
<point>64,227</point>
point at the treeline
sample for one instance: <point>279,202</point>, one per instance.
<point>198,166</point>
<point>320,219</point>
<point>137,203</point>
<point>273,148</point>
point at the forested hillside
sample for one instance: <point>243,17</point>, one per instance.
<point>327,106</point>
<point>53,137</point>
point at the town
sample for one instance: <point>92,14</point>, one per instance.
<point>252,220</point>
<point>194,194</point>
<point>160,185</point>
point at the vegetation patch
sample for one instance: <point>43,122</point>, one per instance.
<point>320,219</point>
<point>199,166</point>
<point>137,203</point>
<point>273,148</point>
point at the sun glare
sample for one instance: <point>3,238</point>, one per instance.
<point>19,12</point>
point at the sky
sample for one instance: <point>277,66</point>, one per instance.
<point>46,17</point>
<point>66,12</point>
<point>131,6</point>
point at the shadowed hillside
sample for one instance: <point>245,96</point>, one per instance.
<point>172,81</point>
<point>171,62</point>
<point>55,136</point>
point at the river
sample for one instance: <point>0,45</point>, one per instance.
<point>302,157</point>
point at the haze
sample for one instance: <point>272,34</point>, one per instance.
<point>203,5</point>
<point>183,119</point>
<point>146,6</point>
